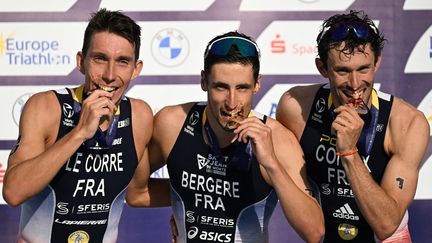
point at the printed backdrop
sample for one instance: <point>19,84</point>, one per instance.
<point>39,40</point>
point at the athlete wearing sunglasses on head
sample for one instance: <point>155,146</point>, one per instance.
<point>362,147</point>
<point>229,165</point>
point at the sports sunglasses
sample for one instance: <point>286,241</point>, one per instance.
<point>222,46</point>
<point>339,31</point>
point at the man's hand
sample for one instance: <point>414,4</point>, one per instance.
<point>260,134</point>
<point>347,126</point>
<point>96,108</point>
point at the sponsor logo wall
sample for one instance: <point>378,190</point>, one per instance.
<point>39,41</point>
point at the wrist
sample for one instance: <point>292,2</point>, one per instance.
<point>347,152</point>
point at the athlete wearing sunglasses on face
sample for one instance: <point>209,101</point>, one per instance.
<point>229,165</point>
<point>363,148</point>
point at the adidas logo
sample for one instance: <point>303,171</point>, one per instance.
<point>202,161</point>
<point>345,212</point>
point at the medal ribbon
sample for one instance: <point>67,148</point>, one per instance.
<point>104,140</point>
<point>243,154</point>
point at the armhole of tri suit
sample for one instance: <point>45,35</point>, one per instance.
<point>378,153</point>
<point>66,102</point>
<point>323,92</point>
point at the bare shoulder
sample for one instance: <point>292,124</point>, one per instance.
<point>404,116</point>
<point>294,107</point>
<point>172,115</point>
<point>39,121</point>
<point>407,125</point>
<point>301,92</point>
<point>169,120</point>
<point>141,109</point>
<point>45,99</point>
<point>167,124</point>
<point>42,110</point>
<point>142,121</point>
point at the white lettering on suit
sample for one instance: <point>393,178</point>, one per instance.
<point>212,190</point>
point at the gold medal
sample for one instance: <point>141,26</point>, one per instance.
<point>347,231</point>
<point>79,236</point>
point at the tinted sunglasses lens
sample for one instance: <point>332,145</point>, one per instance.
<point>222,47</point>
<point>361,30</point>
<point>340,31</point>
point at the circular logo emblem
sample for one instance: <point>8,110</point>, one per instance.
<point>19,106</point>
<point>347,231</point>
<point>170,47</point>
<point>79,236</point>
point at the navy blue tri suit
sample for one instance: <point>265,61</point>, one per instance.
<point>84,201</point>
<point>216,198</point>
<point>343,219</point>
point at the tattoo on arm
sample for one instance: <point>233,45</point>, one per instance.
<point>401,182</point>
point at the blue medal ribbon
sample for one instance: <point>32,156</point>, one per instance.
<point>243,154</point>
<point>100,140</point>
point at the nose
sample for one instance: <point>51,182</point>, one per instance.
<point>231,101</point>
<point>109,72</point>
<point>354,80</point>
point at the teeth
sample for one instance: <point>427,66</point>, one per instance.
<point>107,88</point>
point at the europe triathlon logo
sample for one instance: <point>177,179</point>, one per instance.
<point>170,47</point>
<point>24,52</point>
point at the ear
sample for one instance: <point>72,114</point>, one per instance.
<point>137,70</point>
<point>321,67</point>
<point>80,62</point>
<point>203,81</point>
<point>257,84</point>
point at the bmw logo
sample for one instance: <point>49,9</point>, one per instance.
<point>170,47</point>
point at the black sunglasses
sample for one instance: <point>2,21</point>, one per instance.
<point>222,46</point>
<point>339,31</point>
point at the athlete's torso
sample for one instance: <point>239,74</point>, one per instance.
<point>215,199</point>
<point>86,197</point>
<point>343,219</point>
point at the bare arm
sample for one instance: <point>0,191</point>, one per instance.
<point>153,192</point>
<point>294,107</point>
<point>406,141</point>
<point>280,156</point>
<point>142,188</point>
<point>38,157</point>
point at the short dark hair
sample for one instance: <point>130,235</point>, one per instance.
<point>325,42</point>
<point>114,22</point>
<point>233,56</point>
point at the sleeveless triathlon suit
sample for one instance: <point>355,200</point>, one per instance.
<point>84,201</point>
<point>343,219</point>
<point>217,198</point>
